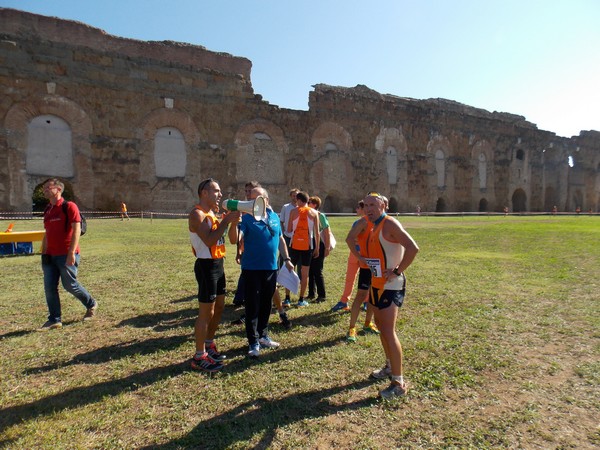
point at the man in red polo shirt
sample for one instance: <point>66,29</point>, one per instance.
<point>60,254</point>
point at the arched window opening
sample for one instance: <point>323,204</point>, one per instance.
<point>393,205</point>
<point>520,155</point>
<point>169,153</point>
<point>259,135</point>
<point>331,204</point>
<point>330,146</point>
<point>519,201</point>
<point>49,147</point>
<point>440,205</point>
<point>483,205</point>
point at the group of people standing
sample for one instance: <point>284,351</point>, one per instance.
<point>377,242</point>
<point>380,251</point>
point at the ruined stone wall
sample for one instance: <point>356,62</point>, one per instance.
<point>147,121</point>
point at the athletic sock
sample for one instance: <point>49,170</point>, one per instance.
<point>398,379</point>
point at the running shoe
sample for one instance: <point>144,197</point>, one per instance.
<point>212,351</point>
<point>287,303</point>
<point>267,342</point>
<point>285,321</point>
<point>206,364</point>
<point>302,302</point>
<point>351,336</point>
<point>395,389</point>
<point>340,306</point>
<point>370,328</point>
<point>254,351</point>
<point>380,374</point>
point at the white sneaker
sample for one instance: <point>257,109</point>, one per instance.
<point>254,351</point>
<point>267,342</point>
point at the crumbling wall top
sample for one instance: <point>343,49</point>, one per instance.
<point>24,25</point>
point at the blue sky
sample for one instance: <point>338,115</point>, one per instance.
<point>539,59</point>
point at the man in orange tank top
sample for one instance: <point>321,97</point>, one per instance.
<point>208,245</point>
<point>390,250</point>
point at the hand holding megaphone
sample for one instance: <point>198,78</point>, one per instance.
<point>256,207</point>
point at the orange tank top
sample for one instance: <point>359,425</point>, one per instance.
<point>200,249</point>
<point>383,254</point>
<point>302,238</point>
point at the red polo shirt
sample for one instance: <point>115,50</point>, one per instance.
<point>57,239</point>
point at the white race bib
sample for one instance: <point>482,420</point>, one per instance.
<point>375,266</point>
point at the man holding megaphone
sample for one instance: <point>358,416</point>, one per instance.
<point>261,231</point>
<point>208,245</point>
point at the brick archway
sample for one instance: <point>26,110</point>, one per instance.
<point>17,119</point>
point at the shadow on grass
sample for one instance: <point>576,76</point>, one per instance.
<point>80,396</point>
<point>237,426</point>
<point>85,395</point>
<point>20,333</point>
<point>117,351</point>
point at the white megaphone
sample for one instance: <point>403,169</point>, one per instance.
<point>256,207</point>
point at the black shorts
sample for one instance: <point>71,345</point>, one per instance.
<point>364,279</point>
<point>383,299</point>
<point>210,275</point>
<point>300,256</point>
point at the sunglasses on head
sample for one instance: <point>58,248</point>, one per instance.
<point>204,183</point>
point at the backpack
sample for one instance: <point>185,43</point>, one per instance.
<point>83,221</point>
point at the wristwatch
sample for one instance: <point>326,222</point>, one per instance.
<point>395,271</point>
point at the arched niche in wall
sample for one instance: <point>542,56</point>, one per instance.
<point>49,147</point>
<point>482,164</point>
<point>331,161</point>
<point>68,122</point>
<point>172,183</point>
<point>260,153</point>
<point>170,156</point>
<point>439,152</point>
<point>391,146</point>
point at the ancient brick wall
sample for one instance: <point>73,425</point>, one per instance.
<point>127,104</point>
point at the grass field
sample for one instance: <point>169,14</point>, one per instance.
<point>500,329</point>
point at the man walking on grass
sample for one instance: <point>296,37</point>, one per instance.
<point>60,254</point>
<point>208,245</point>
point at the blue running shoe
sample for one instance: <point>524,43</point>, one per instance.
<point>302,303</point>
<point>340,306</point>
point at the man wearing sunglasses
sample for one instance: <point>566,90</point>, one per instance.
<point>208,245</point>
<point>390,250</point>
<point>263,240</point>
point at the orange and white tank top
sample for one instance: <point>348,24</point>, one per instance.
<point>302,227</point>
<point>200,249</point>
<point>383,254</point>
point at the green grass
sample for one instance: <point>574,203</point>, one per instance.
<point>500,330</point>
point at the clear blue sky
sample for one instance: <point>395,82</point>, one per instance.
<point>536,58</point>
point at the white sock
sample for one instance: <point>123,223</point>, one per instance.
<point>398,379</point>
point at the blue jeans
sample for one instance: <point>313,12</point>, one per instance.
<point>55,268</point>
